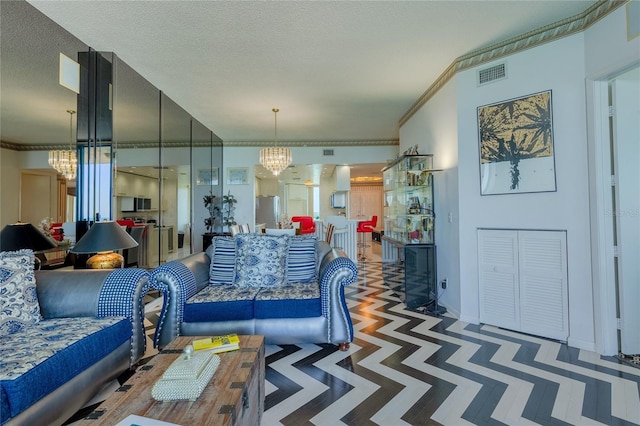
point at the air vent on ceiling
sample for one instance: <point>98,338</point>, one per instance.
<point>491,74</point>
<point>327,152</point>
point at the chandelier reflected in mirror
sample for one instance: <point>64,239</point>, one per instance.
<point>275,159</point>
<point>65,161</point>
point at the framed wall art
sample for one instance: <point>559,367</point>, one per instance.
<point>237,176</point>
<point>516,146</point>
<point>207,176</point>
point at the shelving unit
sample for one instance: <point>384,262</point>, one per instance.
<point>408,200</point>
<point>408,244</point>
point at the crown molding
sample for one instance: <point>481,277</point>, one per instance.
<point>177,144</point>
<point>314,143</point>
<point>237,143</point>
<point>546,34</point>
<point>37,147</point>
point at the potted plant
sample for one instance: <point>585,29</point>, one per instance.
<point>228,209</point>
<point>212,207</point>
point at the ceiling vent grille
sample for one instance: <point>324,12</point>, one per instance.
<point>491,74</point>
<point>327,152</point>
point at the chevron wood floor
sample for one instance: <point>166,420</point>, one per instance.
<point>409,368</point>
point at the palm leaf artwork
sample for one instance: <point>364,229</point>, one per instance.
<point>515,130</point>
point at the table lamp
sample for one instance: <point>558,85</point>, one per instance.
<point>19,236</point>
<point>102,238</point>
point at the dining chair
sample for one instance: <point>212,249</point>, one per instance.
<point>340,226</point>
<point>234,230</point>
<point>329,233</point>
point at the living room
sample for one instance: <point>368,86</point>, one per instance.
<point>576,70</point>
<point>437,129</point>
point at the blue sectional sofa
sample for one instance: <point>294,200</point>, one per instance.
<point>89,331</point>
<point>288,288</point>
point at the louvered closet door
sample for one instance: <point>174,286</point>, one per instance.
<point>543,283</point>
<point>523,281</point>
<point>499,292</point>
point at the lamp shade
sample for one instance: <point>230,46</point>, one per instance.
<point>21,236</point>
<point>104,236</point>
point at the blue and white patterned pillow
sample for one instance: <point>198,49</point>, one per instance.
<point>261,260</point>
<point>222,269</point>
<point>18,296</point>
<point>301,263</point>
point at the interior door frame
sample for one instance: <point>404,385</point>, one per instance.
<point>44,196</point>
<point>602,238</point>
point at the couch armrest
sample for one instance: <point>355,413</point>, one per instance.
<point>68,294</point>
<point>178,281</point>
<point>336,271</point>
<point>98,294</point>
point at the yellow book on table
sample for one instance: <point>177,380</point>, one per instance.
<point>217,344</point>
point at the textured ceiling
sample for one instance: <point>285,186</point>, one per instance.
<point>337,70</point>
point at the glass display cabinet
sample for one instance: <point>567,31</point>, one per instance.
<point>408,200</point>
<point>408,244</point>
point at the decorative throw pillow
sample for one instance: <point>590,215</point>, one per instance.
<point>261,260</point>
<point>223,261</point>
<point>301,262</point>
<point>18,296</point>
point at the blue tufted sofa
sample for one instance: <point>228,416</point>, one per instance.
<point>289,289</point>
<point>91,330</point>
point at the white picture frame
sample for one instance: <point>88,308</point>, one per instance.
<point>237,176</point>
<point>207,177</point>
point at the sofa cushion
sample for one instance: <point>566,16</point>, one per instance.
<point>301,300</point>
<point>46,355</point>
<point>261,260</point>
<point>220,303</point>
<point>20,307</point>
<point>223,261</point>
<point>301,262</point>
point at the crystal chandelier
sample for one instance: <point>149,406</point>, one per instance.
<point>275,159</point>
<point>65,161</point>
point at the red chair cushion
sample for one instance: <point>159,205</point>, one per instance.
<point>307,224</point>
<point>367,225</point>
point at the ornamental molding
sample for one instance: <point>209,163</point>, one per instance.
<point>313,143</point>
<point>236,143</point>
<point>37,147</point>
<point>546,34</point>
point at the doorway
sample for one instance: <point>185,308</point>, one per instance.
<point>624,102</point>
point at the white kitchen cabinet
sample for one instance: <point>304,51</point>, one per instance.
<point>132,185</point>
<point>297,200</point>
<point>523,281</point>
<point>123,185</point>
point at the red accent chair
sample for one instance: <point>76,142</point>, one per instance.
<point>365,227</point>
<point>307,224</point>
<point>129,223</point>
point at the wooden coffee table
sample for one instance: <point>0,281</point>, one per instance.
<point>234,396</point>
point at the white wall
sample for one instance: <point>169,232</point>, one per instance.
<point>607,49</point>
<point>434,129</point>
<point>559,67</point>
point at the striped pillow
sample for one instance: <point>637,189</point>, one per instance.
<point>301,264</point>
<point>223,261</point>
